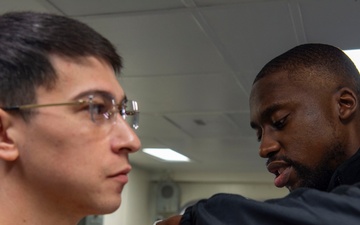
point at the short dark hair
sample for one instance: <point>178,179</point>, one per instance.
<point>28,39</point>
<point>324,60</point>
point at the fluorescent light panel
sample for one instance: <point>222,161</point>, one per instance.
<point>354,55</point>
<point>166,154</point>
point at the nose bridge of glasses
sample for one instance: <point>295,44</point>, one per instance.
<point>129,112</point>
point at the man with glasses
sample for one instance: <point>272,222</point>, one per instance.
<point>66,125</point>
<point>304,107</point>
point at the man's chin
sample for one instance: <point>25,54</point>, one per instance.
<point>109,206</point>
<point>295,186</point>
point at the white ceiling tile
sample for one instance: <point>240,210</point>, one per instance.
<point>93,7</point>
<point>247,78</point>
<point>337,24</point>
<point>177,94</point>
<point>208,125</point>
<point>209,155</point>
<point>242,120</point>
<point>221,2</point>
<point>22,5</point>
<point>238,153</point>
<point>155,126</point>
<point>252,33</point>
<point>159,44</point>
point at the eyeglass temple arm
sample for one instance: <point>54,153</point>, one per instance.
<point>31,106</point>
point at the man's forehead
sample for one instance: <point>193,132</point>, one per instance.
<point>271,93</point>
<point>59,60</point>
<point>271,84</point>
<point>83,75</point>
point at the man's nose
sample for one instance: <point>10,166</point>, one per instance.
<point>268,146</point>
<point>125,136</point>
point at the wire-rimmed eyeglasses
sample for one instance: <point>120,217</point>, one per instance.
<point>100,107</point>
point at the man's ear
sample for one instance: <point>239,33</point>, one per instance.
<point>8,149</point>
<point>347,103</point>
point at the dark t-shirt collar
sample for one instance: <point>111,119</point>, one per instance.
<point>347,173</point>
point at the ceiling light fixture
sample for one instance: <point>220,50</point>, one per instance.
<point>166,154</point>
<point>354,55</point>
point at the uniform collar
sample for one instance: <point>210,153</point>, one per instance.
<point>347,173</point>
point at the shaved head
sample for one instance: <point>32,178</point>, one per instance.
<point>308,62</point>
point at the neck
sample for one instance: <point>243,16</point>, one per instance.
<point>353,141</point>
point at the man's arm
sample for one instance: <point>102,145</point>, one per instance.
<point>174,220</point>
<point>303,206</point>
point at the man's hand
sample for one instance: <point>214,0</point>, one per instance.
<point>174,220</point>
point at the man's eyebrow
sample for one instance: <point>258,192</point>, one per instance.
<point>265,114</point>
<point>271,109</point>
<point>91,92</point>
<point>99,92</point>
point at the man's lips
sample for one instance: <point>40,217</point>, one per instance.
<point>121,176</point>
<point>282,171</point>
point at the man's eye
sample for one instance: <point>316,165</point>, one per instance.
<point>279,124</point>
<point>259,138</point>
<point>98,108</point>
<point>259,135</point>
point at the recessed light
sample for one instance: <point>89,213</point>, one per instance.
<point>166,154</point>
<point>354,55</point>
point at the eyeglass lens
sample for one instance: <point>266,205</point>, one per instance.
<point>102,107</point>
